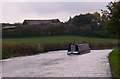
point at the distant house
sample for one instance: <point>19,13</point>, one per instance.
<point>8,28</point>
<point>70,22</point>
<point>41,22</point>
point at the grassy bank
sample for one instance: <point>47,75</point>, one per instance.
<point>13,47</point>
<point>114,62</point>
<point>23,49</point>
<point>58,39</point>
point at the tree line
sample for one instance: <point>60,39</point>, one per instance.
<point>89,24</point>
<point>81,25</point>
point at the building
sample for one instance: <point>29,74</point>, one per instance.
<point>41,22</point>
<point>8,28</point>
<point>70,22</point>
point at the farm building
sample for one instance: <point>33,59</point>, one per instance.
<point>8,28</point>
<point>41,22</point>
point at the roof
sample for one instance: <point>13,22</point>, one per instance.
<point>8,27</point>
<point>34,22</point>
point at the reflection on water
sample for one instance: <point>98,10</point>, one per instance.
<point>59,64</point>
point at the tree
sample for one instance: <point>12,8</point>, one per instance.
<point>96,15</point>
<point>92,20</point>
<point>113,18</point>
<point>82,19</point>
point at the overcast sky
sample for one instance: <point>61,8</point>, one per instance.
<point>18,11</point>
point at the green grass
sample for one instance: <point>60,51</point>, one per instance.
<point>0,40</point>
<point>114,62</point>
<point>58,39</point>
<point>12,47</point>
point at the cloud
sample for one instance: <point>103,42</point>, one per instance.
<point>18,11</point>
<point>56,0</point>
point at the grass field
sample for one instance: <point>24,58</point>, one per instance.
<point>59,39</point>
<point>114,62</point>
<point>0,40</point>
<point>28,46</point>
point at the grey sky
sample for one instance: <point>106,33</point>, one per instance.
<point>18,11</point>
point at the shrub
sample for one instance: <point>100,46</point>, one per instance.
<point>11,50</point>
<point>104,45</point>
<point>23,49</point>
<point>53,47</point>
